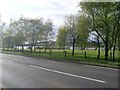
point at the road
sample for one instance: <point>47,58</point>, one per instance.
<point>28,72</point>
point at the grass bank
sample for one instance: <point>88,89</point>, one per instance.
<point>79,57</point>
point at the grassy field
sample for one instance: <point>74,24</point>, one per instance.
<point>91,56</point>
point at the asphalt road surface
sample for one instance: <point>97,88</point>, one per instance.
<point>27,72</point>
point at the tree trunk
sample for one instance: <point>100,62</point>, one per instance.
<point>31,49</point>
<point>106,52</point>
<point>81,47</point>
<point>84,47</point>
<point>114,50</point>
<point>73,47</point>
<point>45,48</point>
<point>98,56</point>
<point>31,46</point>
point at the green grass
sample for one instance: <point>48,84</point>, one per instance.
<point>79,56</point>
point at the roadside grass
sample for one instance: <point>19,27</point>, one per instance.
<point>79,57</point>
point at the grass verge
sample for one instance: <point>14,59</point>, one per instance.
<point>77,58</point>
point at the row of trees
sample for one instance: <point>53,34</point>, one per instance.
<point>100,18</point>
<point>28,31</point>
<point>1,28</point>
<point>75,32</point>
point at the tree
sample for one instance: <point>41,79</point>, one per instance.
<point>18,32</point>
<point>104,21</point>
<point>118,42</point>
<point>83,26</point>
<point>2,25</point>
<point>97,42</point>
<point>71,24</point>
<point>0,33</point>
<point>47,35</point>
<point>116,14</point>
<point>32,28</point>
<point>31,31</point>
<point>61,40</point>
<point>8,39</point>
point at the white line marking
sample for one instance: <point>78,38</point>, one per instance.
<point>64,73</point>
<point>102,67</point>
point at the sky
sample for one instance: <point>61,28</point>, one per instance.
<point>53,9</point>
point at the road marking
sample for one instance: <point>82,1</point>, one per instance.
<point>69,74</point>
<point>101,67</point>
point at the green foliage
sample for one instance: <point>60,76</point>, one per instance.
<point>32,28</point>
<point>104,17</point>
<point>48,31</point>
<point>83,26</point>
<point>71,24</point>
<point>61,40</point>
<point>28,30</point>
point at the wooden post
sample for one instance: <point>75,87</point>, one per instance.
<point>85,54</point>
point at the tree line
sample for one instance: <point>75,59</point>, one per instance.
<point>28,31</point>
<point>101,19</point>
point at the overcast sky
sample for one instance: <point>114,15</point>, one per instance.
<point>54,9</point>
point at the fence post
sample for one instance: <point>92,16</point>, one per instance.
<point>85,54</point>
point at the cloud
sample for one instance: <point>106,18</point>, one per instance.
<point>54,9</point>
